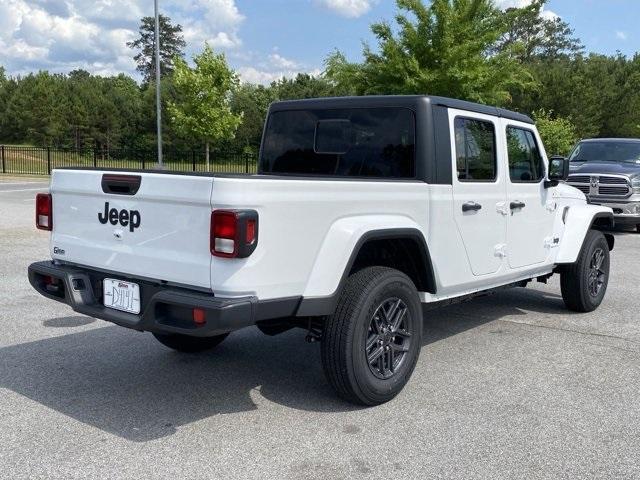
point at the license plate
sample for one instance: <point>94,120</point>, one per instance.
<point>123,296</point>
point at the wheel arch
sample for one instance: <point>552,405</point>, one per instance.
<point>578,221</point>
<point>408,241</point>
<point>603,221</point>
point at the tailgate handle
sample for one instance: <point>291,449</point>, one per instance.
<point>121,184</point>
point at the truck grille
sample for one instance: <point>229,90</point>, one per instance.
<point>579,179</point>
<point>620,191</point>
<point>613,181</point>
<point>604,185</point>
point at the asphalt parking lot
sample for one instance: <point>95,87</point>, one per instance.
<point>507,386</point>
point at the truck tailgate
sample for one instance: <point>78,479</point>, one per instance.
<point>161,232</point>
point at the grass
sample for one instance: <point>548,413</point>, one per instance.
<point>37,161</point>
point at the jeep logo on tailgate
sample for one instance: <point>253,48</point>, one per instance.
<point>130,218</point>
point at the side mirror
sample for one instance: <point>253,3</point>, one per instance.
<point>558,171</point>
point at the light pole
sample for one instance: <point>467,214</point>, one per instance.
<point>158,108</point>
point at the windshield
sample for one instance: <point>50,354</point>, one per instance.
<point>628,152</point>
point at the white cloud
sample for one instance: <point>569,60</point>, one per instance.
<point>265,77</point>
<point>511,3</point>
<point>213,21</point>
<point>254,75</point>
<point>274,67</point>
<point>61,35</point>
<point>620,35</point>
<point>504,4</point>
<point>279,61</point>
<point>348,8</point>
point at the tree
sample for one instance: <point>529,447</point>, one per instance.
<point>530,34</point>
<point>439,49</point>
<point>204,92</point>
<point>252,102</point>
<point>558,134</point>
<point>5,94</point>
<point>171,46</point>
<point>37,109</point>
<point>600,94</point>
<point>304,85</point>
<point>559,40</point>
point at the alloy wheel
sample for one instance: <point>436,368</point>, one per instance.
<point>597,274</point>
<point>388,338</point>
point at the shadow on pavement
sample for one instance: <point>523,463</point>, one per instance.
<point>441,323</point>
<point>68,322</point>
<point>127,384</point>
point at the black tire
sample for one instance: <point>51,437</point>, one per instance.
<point>638,228</point>
<point>366,300</point>
<point>188,344</point>
<point>584,283</point>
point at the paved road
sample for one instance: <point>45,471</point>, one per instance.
<point>509,386</point>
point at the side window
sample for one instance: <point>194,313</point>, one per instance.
<point>476,159</point>
<point>525,160</point>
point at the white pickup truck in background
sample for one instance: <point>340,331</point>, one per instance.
<point>364,210</point>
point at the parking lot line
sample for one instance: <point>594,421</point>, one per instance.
<point>18,183</point>
<point>23,190</point>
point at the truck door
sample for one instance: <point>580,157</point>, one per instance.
<point>531,205</point>
<point>479,190</point>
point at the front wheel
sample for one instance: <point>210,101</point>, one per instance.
<point>370,345</point>
<point>584,282</point>
<point>189,344</point>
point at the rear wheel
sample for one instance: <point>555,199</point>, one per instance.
<point>370,345</point>
<point>638,228</point>
<point>188,344</point>
<point>584,283</point>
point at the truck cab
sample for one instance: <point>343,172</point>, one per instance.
<point>364,211</point>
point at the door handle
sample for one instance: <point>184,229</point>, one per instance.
<point>471,207</point>
<point>517,205</point>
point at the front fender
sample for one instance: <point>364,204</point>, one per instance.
<point>338,245</point>
<point>578,220</point>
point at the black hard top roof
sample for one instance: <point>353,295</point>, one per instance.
<point>611,140</point>
<point>408,101</point>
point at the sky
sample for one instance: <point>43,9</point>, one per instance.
<point>263,39</point>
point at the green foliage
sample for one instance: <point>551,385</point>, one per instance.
<point>171,46</point>
<point>254,101</point>
<point>203,110</point>
<point>558,134</point>
<point>459,48</point>
<point>76,110</point>
<point>439,49</point>
<point>600,94</point>
<point>529,35</point>
<point>305,86</point>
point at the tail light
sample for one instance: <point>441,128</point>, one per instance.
<point>234,233</point>
<point>199,317</point>
<point>44,211</point>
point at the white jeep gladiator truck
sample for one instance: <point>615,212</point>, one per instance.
<point>364,211</point>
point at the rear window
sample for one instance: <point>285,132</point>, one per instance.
<point>358,142</point>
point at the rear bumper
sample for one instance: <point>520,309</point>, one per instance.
<point>164,309</point>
